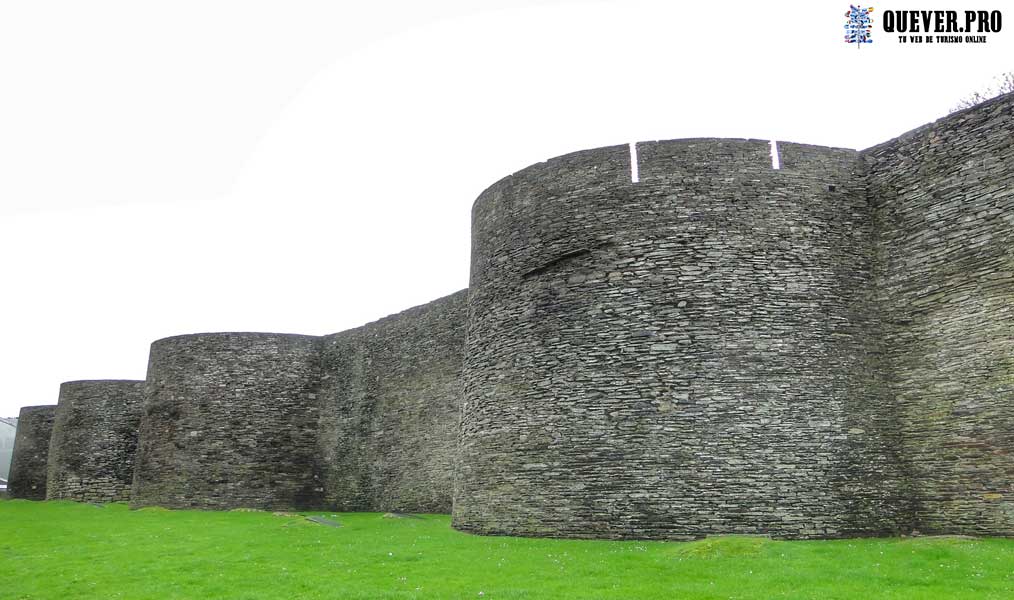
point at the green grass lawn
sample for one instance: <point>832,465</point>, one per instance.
<point>64,550</point>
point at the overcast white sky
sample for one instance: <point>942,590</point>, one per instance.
<point>307,167</point>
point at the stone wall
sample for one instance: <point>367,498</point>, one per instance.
<point>682,356</point>
<point>94,440</point>
<point>230,420</point>
<point>390,393</point>
<point>236,420</point>
<point>31,451</point>
<point>944,198</point>
<point>821,350</point>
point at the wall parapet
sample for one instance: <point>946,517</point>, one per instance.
<point>365,419</point>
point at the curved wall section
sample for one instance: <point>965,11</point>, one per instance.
<point>230,420</point>
<point>683,356</point>
<point>31,451</point>
<point>391,402</point>
<point>91,454</point>
<point>944,199</point>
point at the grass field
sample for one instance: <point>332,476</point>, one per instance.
<point>68,551</point>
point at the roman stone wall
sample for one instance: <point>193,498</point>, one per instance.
<point>820,350</point>
<point>944,198</point>
<point>94,440</point>
<point>390,396</point>
<point>682,356</point>
<point>230,420</point>
<point>31,451</point>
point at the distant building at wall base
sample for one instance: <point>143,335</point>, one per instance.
<point>8,429</point>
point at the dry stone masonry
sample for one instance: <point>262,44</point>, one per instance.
<point>825,349</point>
<point>390,394</point>
<point>822,350</point>
<point>31,453</point>
<point>366,419</point>
<point>943,198</point>
<point>91,454</point>
<point>230,420</point>
<point>679,356</point>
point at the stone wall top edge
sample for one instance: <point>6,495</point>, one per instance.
<point>408,312</point>
<point>816,147</point>
<point>988,104</point>
<point>37,408</point>
<point>297,336</point>
<point>941,122</point>
<point>101,382</point>
<point>704,140</point>
<point>624,148</point>
<point>235,335</point>
<point>604,150</point>
<point>645,144</point>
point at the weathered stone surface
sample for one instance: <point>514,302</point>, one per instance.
<point>823,350</point>
<point>390,394</point>
<point>943,197</point>
<point>682,356</point>
<point>366,419</point>
<point>230,420</point>
<point>31,451</point>
<point>818,351</point>
<point>94,440</point>
<point>8,429</point>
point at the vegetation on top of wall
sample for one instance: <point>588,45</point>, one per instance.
<point>1001,84</point>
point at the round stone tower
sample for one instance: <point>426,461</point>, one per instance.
<point>31,450</point>
<point>230,420</point>
<point>91,454</point>
<point>686,355</point>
